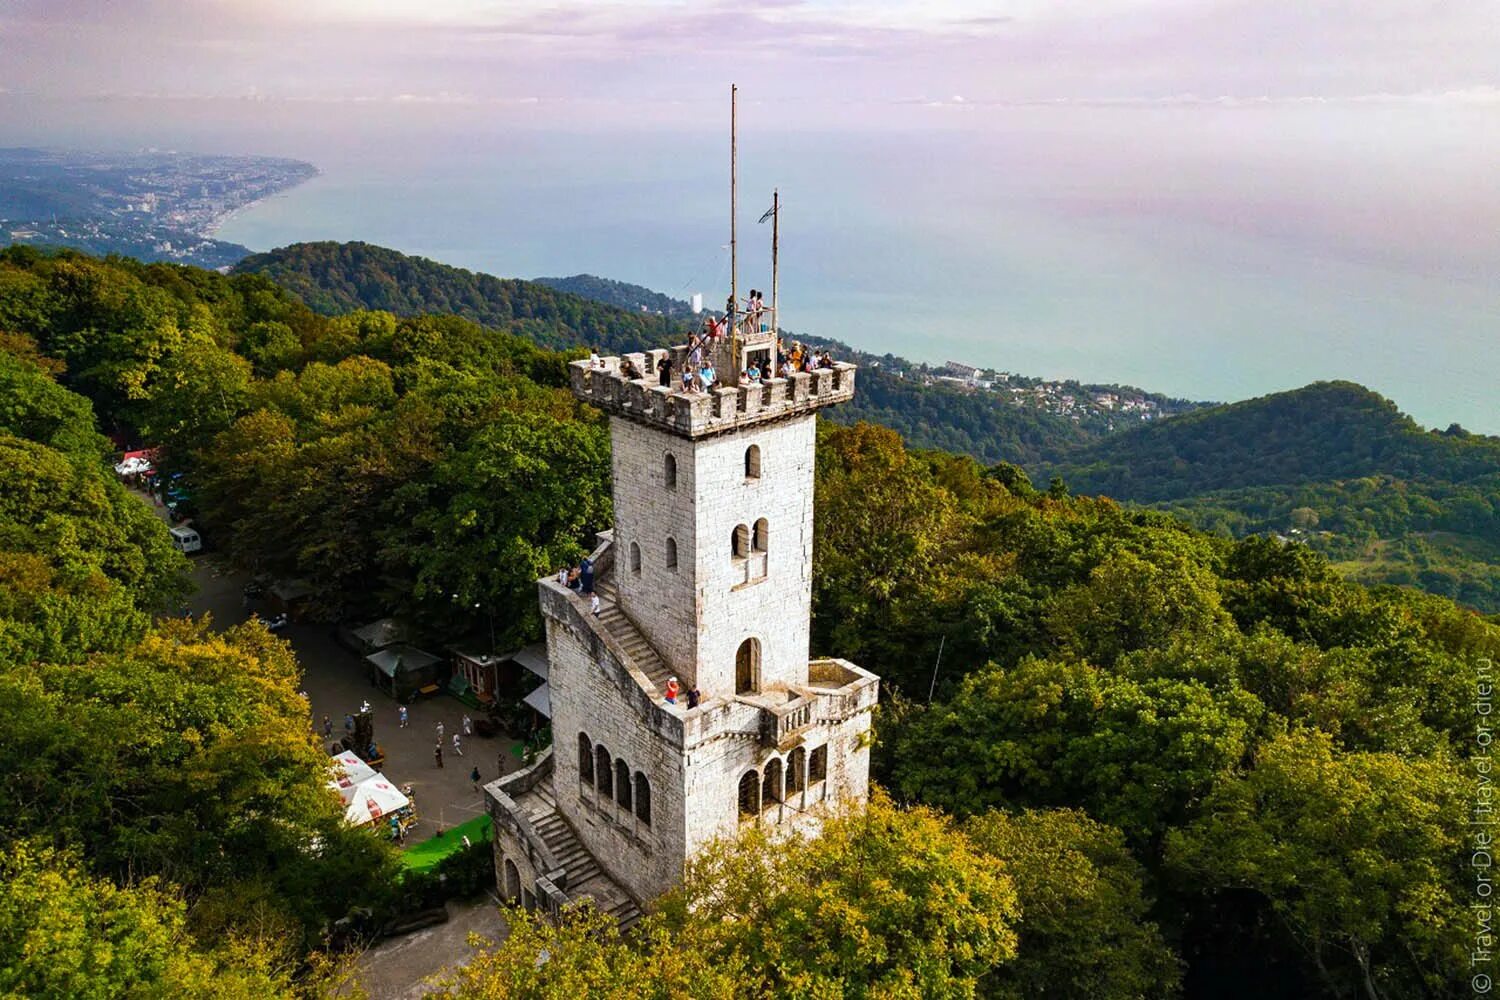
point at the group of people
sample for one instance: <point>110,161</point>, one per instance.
<point>788,363</point>
<point>674,691</point>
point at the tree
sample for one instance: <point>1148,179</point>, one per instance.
<point>1084,930</point>
<point>1139,755</point>
<point>66,935</point>
<point>522,498</point>
<point>187,756</point>
<point>583,955</point>
<point>884,904</point>
<point>1361,856</point>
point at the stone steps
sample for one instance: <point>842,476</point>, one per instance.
<point>630,639</point>
<point>627,914</point>
<point>565,846</point>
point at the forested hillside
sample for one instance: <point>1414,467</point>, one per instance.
<point>1242,775</point>
<point>335,278</point>
<point>621,295</point>
<point>1332,464</point>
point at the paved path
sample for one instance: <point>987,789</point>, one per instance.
<point>336,683</point>
<point>401,968</point>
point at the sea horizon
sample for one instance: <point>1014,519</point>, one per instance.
<point>1201,271</point>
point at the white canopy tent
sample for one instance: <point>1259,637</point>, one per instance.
<point>373,799</point>
<point>349,772</point>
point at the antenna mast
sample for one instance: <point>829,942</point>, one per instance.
<point>775,239</point>
<point>734,272</point>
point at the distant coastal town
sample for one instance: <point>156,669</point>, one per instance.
<point>152,205</point>
<point>1115,405</point>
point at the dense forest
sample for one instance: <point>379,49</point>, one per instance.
<point>1122,757</point>
<point>1334,465</point>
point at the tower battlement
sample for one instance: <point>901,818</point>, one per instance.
<point>696,415</point>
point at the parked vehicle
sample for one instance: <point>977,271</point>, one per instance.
<point>185,539</point>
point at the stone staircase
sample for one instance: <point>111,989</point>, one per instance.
<point>629,637</point>
<point>585,877</point>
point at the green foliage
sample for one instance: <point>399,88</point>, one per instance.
<point>585,956</point>
<point>1361,856</point>
<point>1333,464</point>
<point>187,756</point>
<point>66,935</point>
<point>336,278</point>
<point>886,903</point>
<point>1084,929</point>
<point>1113,661</point>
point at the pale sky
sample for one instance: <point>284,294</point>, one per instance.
<point>833,61</point>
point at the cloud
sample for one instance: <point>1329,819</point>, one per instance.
<point>803,53</point>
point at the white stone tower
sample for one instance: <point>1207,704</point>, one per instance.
<point>706,577</point>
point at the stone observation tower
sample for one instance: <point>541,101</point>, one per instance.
<point>706,577</point>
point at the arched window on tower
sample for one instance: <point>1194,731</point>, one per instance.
<point>817,764</point>
<point>642,798</point>
<point>770,787</point>
<point>739,542</point>
<point>671,553</point>
<point>622,784</point>
<point>752,462</point>
<point>512,880</point>
<point>796,771</point>
<point>747,667</point>
<point>749,795</point>
<point>604,772</point>
<point>635,558</point>
<point>760,536</point>
<point>669,470</point>
<point>585,759</point>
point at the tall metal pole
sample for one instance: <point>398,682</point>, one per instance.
<point>734,273</point>
<point>775,303</point>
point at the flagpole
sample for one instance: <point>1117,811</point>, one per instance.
<point>734,272</point>
<point>775,303</point>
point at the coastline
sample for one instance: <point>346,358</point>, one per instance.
<point>211,231</point>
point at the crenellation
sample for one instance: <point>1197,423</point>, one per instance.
<point>700,414</point>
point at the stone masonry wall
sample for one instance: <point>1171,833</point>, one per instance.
<point>697,615</point>
<point>739,599</point>
<point>645,859</point>
<point>661,601</point>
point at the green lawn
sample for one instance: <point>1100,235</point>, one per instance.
<point>425,855</point>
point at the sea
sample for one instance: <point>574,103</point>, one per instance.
<point>1206,252</point>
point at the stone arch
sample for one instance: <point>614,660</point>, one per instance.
<point>817,764</point>
<point>642,798</point>
<point>585,759</point>
<point>669,470</point>
<point>739,542</point>
<point>747,667</point>
<point>749,794</point>
<point>635,558</point>
<point>760,535</point>
<point>604,772</point>
<point>512,880</point>
<point>671,552</point>
<point>622,784</point>
<point>752,462</point>
<point>770,786</point>
<point>796,771</point>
